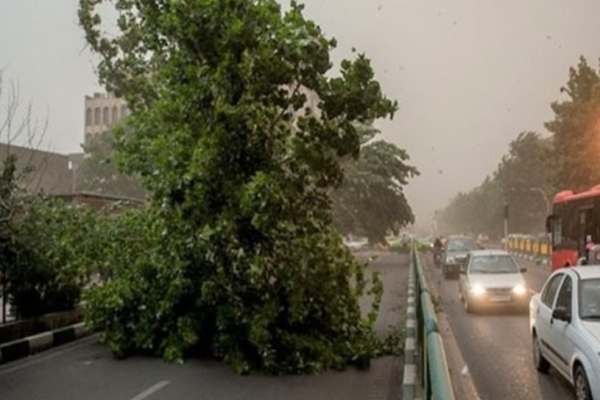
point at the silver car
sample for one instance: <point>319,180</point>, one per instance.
<point>492,278</point>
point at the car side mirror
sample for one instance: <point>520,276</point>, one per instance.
<point>561,314</point>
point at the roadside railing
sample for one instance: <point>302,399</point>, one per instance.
<point>426,369</point>
<point>533,248</point>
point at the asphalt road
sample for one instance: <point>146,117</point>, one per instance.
<point>87,370</point>
<point>496,346</point>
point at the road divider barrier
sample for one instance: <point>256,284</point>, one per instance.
<point>43,341</point>
<point>532,248</point>
<point>426,370</point>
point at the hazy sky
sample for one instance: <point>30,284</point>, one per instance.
<point>469,74</point>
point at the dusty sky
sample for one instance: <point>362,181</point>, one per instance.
<point>469,74</point>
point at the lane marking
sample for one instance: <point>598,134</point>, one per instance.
<point>410,374</point>
<point>151,390</point>
<point>80,343</point>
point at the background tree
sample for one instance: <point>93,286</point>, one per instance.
<point>246,262</point>
<point>371,200</point>
<point>39,239</point>
<point>519,180</point>
<point>576,130</point>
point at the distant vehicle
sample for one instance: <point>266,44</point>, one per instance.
<point>565,328</point>
<point>575,219</point>
<point>356,244</point>
<point>492,278</point>
<point>455,254</point>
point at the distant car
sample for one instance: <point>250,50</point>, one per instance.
<point>492,278</point>
<point>565,328</point>
<point>455,254</point>
<point>356,244</point>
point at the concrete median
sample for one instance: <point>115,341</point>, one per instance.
<point>30,345</point>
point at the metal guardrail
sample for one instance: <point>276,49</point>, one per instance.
<point>425,357</point>
<point>532,248</point>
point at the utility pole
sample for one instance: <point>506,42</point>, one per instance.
<point>545,197</point>
<point>506,226</point>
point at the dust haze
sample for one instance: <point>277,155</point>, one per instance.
<point>469,75</point>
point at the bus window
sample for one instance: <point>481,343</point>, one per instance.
<point>556,231</point>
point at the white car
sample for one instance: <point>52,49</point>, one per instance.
<point>492,278</point>
<point>565,328</point>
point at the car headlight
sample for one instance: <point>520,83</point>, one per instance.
<point>478,290</point>
<point>520,290</point>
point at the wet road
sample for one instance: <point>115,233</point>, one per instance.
<point>496,346</point>
<point>87,370</point>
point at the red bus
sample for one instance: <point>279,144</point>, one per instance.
<point>575,218</point>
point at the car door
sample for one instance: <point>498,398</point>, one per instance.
<point>544,315</point>
<point>560,332</point>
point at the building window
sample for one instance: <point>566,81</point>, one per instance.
<point>88,117</point>
<point>115,114</point>
<point>97,116</point>
<point>105,118</point>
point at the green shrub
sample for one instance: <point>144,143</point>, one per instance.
<point>45,259</point>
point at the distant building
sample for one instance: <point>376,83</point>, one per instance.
<point>102,112</point>
<point>55,175</point>
<point>42,171</point>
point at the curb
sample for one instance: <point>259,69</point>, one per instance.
<point>409,380</point>
<point>464,387</point>
<point>30,345</point>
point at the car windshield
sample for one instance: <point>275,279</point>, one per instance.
<point>589,299</point>
<point>493,264</point>
<point>462,245</point>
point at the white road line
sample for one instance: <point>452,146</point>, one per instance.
<point>80,343</point>
<point>410,374</point>
<point>151,390</point>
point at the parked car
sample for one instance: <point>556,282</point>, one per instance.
<point>565,328</point>
<point>492,278</point>
<point>455,254</point>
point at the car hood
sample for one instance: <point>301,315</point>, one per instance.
<point>593,328</point>
<point>496,280</point>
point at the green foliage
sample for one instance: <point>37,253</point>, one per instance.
<point>45,259</point>
<point>99,172</point>
<point>371,200</point>
<point>237,130</point>
<point>576,129</point>
<point>520,176</point>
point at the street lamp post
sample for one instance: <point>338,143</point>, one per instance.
<point>545,197</point>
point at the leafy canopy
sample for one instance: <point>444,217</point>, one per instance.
<point>371,200</point>
<point>576,130</point>
<point>237,130</point>
<point>521,179</point>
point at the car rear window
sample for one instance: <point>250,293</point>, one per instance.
<point>493,264</point>
<point>461,245</point>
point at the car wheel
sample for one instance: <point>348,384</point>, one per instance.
<point>540,362</point>
<point>582,386</point>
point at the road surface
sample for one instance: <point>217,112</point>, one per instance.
<point>496,346</point>
<point>86,369</point>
